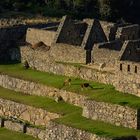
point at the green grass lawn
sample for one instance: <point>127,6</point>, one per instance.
<point>39,102</point>
<point>97,127</point>
<point>71,114</point>
<point>99,92</point>
<point>11,135</point>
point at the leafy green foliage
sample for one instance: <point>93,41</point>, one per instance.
<point>113,10</point>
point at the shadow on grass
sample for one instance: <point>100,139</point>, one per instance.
<point>9,62</point>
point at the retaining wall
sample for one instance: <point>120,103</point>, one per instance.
<point>112,113</point>
<point>43,61</point>
<point>31,114</point>
<point>55,131</point>
<point>34,88</point>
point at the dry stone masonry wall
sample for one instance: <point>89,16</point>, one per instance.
<point>33,88</point>
<point>130,32</point>
<point>128,84</point>
<point>106,53</point>
<point>11,38</point>
<point>64,132</point>
<point>115,114</point>
<point>69,32</point>
<point>40,61</point>
<point>55,131</point>
<point>33,36</point>
<point>73,42</point>
<point>36,116</point>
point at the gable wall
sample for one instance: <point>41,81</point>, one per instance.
<point>130,32</point>
<point>131,52</point>
<point>106,53</point>
<point>68,32</point>
<point>33,36</point>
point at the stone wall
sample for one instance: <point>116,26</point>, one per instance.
<point>94,34</point>
<point>59,131</point>
<point>109,29</point>
<point>68,53</point>
<point>10,38</point>
<point>129,68</point>
<point>33,36</point>
<point>34,88</point>
<point>130,51</point>
<point>68,32</point>
<point>127,75</point>
<point>129,32</point>
<point>116,114</point>
<point>58,53</point>
<point>31,114</point>
<point>106,53</point>
<point>14,126</point>
<point>39,61</point>
<point>112,113</point>
<point>55,131</point>
<point>122,80</point>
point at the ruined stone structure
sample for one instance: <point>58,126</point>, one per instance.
<point>105,46</point>
<point>89,49</point>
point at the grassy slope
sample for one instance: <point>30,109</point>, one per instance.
<point>39,102</point>
<point>97,127</point>
<point>99,92</point>
<point>72,114</point>
<point>10,135</point>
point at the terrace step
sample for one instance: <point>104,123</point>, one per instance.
<point>55,131</point>
<point>96,110</point>
<point>74,124</point>
<point>104,109</point>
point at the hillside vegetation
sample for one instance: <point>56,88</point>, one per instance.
<point>112,10</point>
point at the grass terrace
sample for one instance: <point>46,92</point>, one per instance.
<point>96,91</point>
<point>96,127</point>
<point>39,102</point>
<point>71,116</point>
<point>11,135</point>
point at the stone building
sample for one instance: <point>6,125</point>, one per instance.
<point>100,41</point>
<point>89,49</point>
<point>105,46</point>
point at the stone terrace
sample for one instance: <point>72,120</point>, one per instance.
<point>84,51</point>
